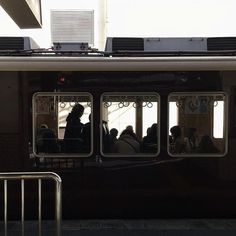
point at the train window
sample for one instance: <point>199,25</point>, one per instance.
<point>62,124</point>
<point>201,124</point>
<point>130,124</point>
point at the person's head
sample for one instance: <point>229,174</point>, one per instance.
<point>148,130</point>
<point>176,131</point>
<point>127,132</point>
<point>113,132</point>
<point>130,127</point>
<point>153,130</point>
<point>77,110</point>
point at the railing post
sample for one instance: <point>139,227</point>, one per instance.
<point>5,207</point>
<point>58,207</point>
<point>34,176</point>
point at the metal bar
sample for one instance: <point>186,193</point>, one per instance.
<point>22,207</point>
<point>29,175</point>
<point>58,208</point>
<point>34,176</point>
<point>40,206</point>
<point>5,207</point>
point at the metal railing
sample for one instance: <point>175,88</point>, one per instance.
<point>39,176</point>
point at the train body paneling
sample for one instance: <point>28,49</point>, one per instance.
<point>102,184</point>
<point>11,131</point>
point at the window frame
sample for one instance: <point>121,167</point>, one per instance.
<point>225,124</point>
<point>60,155</point>
<point>141,154</point>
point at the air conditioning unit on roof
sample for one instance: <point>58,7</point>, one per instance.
<point>156,44</point>
<point>17,43</point>
<point>114,44</point>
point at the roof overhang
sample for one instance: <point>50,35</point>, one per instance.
<point>25,13</point>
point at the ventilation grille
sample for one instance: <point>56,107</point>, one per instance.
<point>72,26</point>
<point>11,43</point>
<point>129,44</point>
<point>227,43</point>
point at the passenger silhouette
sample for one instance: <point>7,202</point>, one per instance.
<point>191,140</point>
<point>126,144</point>
<point>46,140</point>
<point>178,145</point>
<point>149,143</point>
<point>132,133</point>
<point>113,137</point>
<point>206,145</point>
<point>73,141</point>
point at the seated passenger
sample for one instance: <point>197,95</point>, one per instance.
<point>46,140</point>
<point>206,145</point>
<point>147,133</point>
<point>73,142</point>
<point>113,137</point>
<point>126,144</point>
<point>178,146</point>
<point>131,129</point>
<point>149,143</point>
<point>191,140</point>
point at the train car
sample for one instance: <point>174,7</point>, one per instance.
<point>143,129</point>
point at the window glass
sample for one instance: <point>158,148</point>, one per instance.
<point>218,123</point>
<point>200,126</point>
<point>173,114</point>
<point>147,119</point>
<point>130,124</point>
<point>62,124</point>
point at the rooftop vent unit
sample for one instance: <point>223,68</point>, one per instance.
<point>170,44</point>
<point>17,43</point>
<point>130,44</point>
<point>224,43</point>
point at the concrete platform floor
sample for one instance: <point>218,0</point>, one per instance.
<point>145,227</point>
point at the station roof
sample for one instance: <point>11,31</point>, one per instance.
<point>26,13</point>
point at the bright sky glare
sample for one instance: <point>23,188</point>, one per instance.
<point>155,18</point>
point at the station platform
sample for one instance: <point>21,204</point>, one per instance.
<point>141,227</point>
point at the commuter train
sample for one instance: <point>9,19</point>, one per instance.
<point>156,133</point>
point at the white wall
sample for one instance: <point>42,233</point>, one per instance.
<point>156,18</point>
<point>171,18</point>
<point>43,36</point>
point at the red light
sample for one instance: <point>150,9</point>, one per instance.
<point>61,79</point>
